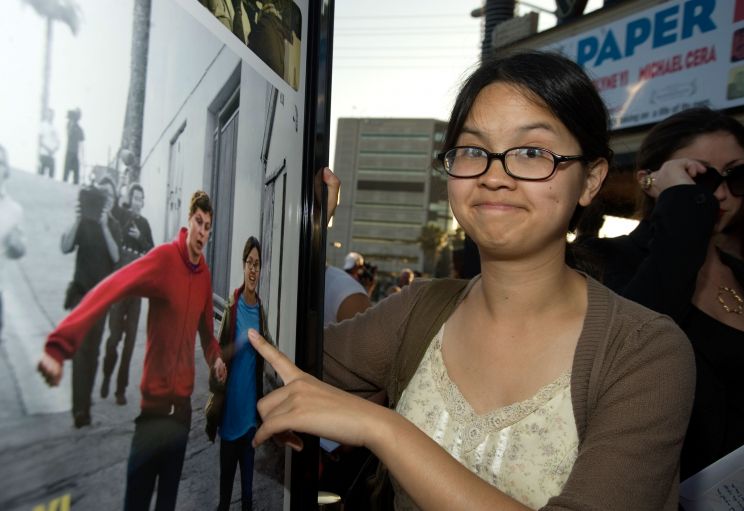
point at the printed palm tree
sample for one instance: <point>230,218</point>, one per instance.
<point>431,240</point>
<point>64,11</point>
<point>131,139</point>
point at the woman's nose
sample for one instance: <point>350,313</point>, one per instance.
<point>496,174</point>
<point>722,192</point>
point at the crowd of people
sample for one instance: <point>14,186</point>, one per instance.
<point>559,377</point>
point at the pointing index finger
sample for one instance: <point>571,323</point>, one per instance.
<point>284,367</point>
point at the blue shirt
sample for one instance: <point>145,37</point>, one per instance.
<point>240,401</point>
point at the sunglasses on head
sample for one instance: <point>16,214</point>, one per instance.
<point>711,179</point>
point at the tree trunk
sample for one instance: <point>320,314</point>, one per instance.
<point>47,71</point>
<point>134,116</point>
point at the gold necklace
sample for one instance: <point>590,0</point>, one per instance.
<point>738,307</point>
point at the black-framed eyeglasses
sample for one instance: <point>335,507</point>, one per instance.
<point>524,163</point>
<point>711,179</point>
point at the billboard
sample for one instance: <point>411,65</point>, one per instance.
<point>661,60</point>
<point>115,112</point>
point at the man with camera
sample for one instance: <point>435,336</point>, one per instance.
<point>96,235</point>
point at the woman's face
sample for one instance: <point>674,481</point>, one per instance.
<point>510,217</point>
<point>721,151</point>
<point>252,270</point>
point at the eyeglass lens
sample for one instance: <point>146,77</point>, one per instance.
<point>735,180</point>
<point>520,162</point>
<point>711,180</point>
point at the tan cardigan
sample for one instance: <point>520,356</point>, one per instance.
<point>632,387</point>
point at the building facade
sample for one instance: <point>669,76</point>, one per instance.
<point>390,191</point>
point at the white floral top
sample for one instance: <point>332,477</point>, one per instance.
<point>525,449</point>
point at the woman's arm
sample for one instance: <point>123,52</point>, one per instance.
<point>681,225</point>
<point>629,455</point>
<point>431,477</point>
<point>358,352</point>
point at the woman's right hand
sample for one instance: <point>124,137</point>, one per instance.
<point>307,405</point>
<point>672,173</point>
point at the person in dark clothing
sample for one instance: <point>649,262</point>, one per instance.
<point>75,137</point>
<point>685,259</point>
<point>97,236</point>
<point>124,315</point>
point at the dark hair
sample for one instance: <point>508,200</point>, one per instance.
<point>250,244</point>
<point>367,275</point>
<point>200,200</point>
<point>105,180</point>
<point>677,132</point>
<point>550,80</point>
<point>133,188</point>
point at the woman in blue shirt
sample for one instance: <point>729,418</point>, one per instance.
<point>238,419</point>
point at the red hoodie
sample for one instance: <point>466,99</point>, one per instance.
<point>180,296</point>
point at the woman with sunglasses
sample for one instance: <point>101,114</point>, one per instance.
<point>530,386</point>
<point>684,260</point>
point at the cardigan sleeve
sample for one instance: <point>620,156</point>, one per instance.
<point>629,455</point>
<point>681,226</point>
<point>358,352</point>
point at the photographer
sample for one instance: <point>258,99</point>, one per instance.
<point>97,236</point>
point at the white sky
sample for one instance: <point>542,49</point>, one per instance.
<point>86,74</point>
<point>394,58</point>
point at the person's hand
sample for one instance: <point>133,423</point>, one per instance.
<point>134,232</point>
<point>672,173</point>
<point>306,404</point>
<point>334,186</point>
<point>50,369</point>
<point>220,370</point>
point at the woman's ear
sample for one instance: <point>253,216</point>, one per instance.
<point>595,176</point>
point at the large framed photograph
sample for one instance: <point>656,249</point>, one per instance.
<point>159,192</point>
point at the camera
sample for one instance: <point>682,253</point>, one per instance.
<point>91,201</point>
<point>367,275</point>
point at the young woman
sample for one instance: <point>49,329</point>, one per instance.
<point>684,260</point>
<point>232,406</point>
<point>532,385</point>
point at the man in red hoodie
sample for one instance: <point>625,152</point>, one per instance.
<point>175,278</point>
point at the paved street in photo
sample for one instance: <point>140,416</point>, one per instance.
<point>42,456</point>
